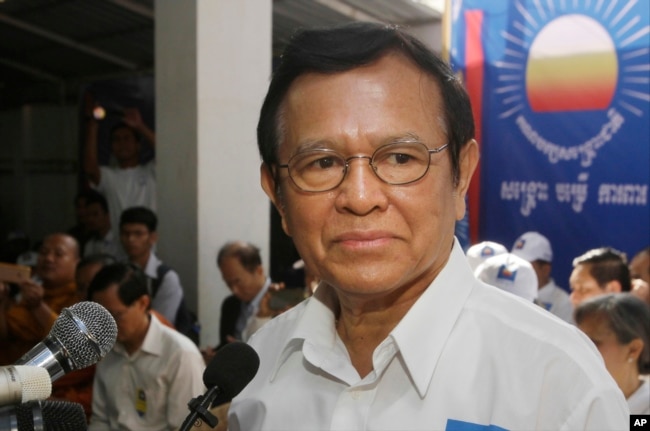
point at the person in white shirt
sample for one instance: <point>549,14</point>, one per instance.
<point>138,233</point>
<point>479,253</point>
<point>152,372</point>
<point>367,144</point>
<point>536,249</point>
<point>619,325</point>
<point>130,183</point>
<point>103,239</point>
<point>509,273</point>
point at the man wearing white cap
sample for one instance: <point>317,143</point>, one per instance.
<point>479,253</point>
<point>510,273</point>
<point>536,249</point>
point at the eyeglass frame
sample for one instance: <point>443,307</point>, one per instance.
<point>370,163</point>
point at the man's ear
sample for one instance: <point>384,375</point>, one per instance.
<point>635,349</point>
<point>613,286</point>
<point>154,237</point>
<point>270,187</point>
<point>467,162</point>
<point>144,302</point>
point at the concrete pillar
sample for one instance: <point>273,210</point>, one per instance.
<point>213,63</point>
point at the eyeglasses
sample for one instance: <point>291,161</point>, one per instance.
<point>322,170</point>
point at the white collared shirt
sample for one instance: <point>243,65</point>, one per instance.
<point>128,187</point>
<point>466,354</point>
<point>149,389</point>
<point>556,300</point>
<point>639,401</point>
<point>249,321</point>
<point>170,292</point>
<point>109,244</point>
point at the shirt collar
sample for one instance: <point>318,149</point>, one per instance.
<point>152,265</point>
<point>255,303</point>
<point>420,335</point>
<point>151,343</point>
<point>423,332</point>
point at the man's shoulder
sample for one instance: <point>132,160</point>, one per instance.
<point>173,341</point>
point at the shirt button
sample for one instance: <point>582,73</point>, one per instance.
<point>355,395</point>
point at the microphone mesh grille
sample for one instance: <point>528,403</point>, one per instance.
<point>57,416</point>
<point>100,327</point>
<point>36,382</point>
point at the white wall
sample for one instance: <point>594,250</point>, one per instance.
<point>213,62</point>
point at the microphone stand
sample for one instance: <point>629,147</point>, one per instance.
<point>199,410</point>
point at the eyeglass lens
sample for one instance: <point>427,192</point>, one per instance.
<point>324,169</point>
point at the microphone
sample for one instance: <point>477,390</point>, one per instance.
<point>23,383</point>
<point>43,416</point>
<point>82,335</point>
<point>231,369</point>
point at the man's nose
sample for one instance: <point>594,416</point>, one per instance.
<point>361,190</point>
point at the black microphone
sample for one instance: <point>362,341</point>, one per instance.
<point>43,416</point>
<point>82,335</point>
<point>23,383</point>
<point>231,369</point>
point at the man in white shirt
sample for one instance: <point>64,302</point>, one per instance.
<point>536,249</point>
<point>138,233</point>
<point>367,145</point>
<point>152,372</point>
<point>130,183</point>
<point>103,239</point>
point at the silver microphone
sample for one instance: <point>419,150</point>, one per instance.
<point>23,383</point>
<point>82,335</point>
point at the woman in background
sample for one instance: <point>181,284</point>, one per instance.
<point>619,326</point>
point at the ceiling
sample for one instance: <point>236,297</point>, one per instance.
<point>50,48</point>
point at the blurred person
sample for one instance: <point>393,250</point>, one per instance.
<point>640,265</point>
<point>536,249</point>
<point>479,253</point>
<point>130,183</point>
<point>619,326</point>
<point>27,319</point>
<point>240,264</point>
<point>367,144</point>
<point>640,274</point>
<point>87,267</point>
<point>511,274</point>
<point>147,379</point>
<point>102,237</point>
<point>597,272</point>
<point>138,234</point>
<point>80,230</point>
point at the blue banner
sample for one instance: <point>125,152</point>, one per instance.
<point>564,113</point>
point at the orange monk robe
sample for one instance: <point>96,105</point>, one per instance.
<point>23,331</point>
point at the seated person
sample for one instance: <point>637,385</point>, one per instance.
<point>152,372</point>
<point>138,235</point>
<point>619,325</point>
<point>103,237</point>
<point>27,319</point>
<point>597,272</point>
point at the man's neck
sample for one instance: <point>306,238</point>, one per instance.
<point>126,164</point>
<point>134,345</point>
<point>142,261</point>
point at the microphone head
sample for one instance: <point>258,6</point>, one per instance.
<point>36,383</point>
<point>53,415</point>
<point>233,366</point>
<point>87,331</point>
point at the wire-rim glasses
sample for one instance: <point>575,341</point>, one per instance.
<point>324,169</point>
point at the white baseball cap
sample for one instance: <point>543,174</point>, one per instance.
<point>533,246</point>
<point>510,273</point>
<point>478,253</point>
